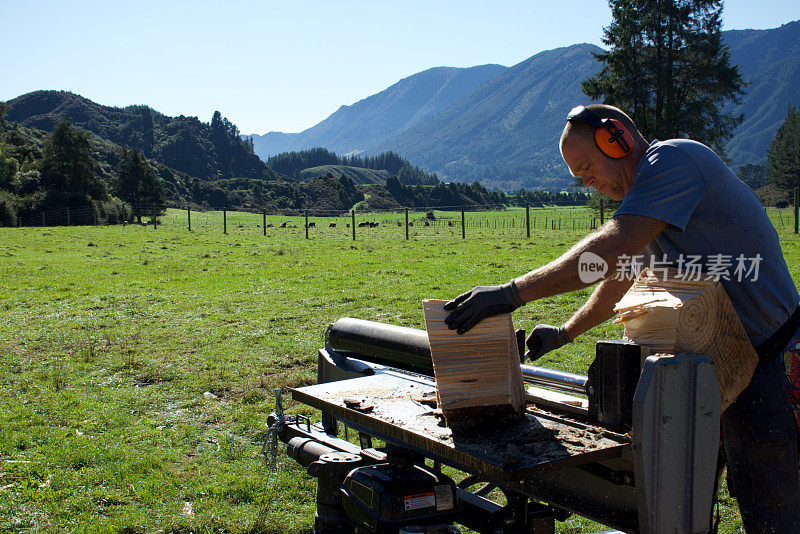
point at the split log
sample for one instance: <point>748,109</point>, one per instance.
<point>477,373</point>
<point>672,315</point>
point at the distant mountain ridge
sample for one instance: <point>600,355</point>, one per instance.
<point>770,63</point>
<point>504,131</point>
<point>368,122</point>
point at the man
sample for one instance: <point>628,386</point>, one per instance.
<point>679,200</point>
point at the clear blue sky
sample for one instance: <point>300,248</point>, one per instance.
<point>282,65</point>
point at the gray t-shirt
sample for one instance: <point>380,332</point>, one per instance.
<point>712,215</point>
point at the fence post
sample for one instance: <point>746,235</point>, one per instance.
<point>463,226</point>
<point>155,219</point>
<point>796,199</point>
<point>225,222</point>
<point>67,216</point>
<point>264,221</point>
<point>528,219</point>
<point>306,224</point>
<point>602,213</point>
<point>189,217</point>
<point>406,224</point>
<point>353,223</point>
<point>43,224</point>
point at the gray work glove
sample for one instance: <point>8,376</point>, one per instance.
<point>545,338</point>
<point>470,308</point>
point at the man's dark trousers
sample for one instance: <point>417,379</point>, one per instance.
<point>760,438</point>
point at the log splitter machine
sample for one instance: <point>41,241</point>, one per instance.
<point>633,445</point>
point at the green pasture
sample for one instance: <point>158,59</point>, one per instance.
<point>137,364</point>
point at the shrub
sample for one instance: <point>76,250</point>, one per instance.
<point>8,215</point>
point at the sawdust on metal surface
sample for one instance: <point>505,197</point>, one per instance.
<point>410,406</point>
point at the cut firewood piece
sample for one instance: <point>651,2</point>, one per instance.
<point>555,400</point>
<point>672,315</point>
<point>477,373</point>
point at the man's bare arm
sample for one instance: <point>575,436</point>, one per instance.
<point>599,307</point>
<point>622,235</point>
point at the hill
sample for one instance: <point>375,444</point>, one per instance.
<point>370,121</point>
<point>505,133</point>
<point>359,175</point>
<point>770,63</point>
<point>304,164</point>
<point>204,150</point>
<point>204,165</point>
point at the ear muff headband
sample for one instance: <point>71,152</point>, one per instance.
<point>611,136</point>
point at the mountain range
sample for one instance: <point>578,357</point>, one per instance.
<point>371,121</point>
<point>500,126</point>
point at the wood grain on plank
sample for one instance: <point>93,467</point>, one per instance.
<point>477,373</point>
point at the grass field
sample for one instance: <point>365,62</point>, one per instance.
<point>137,365</point>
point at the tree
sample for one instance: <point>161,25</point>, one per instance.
<point>783,156</point>
<point>67,165</point>
<point>139,185</point>
<point>667,67</point>
<point>754,176</point>
<point>3,111</point>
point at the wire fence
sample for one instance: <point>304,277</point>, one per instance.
<point>404,224</point>
<point>67,216</point>
<point>452,221</point>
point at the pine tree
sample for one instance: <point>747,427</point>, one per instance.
<point>783,156</point>
<point>67,164</point>
<point>139,185</point>
<point>667,67</point>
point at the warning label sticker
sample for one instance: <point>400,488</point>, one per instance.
<point>420,500</point>
<point>444,497</point>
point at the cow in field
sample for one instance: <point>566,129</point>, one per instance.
<point>312,225</point>
<point>332,225</point>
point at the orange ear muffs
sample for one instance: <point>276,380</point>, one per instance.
<point>611,136</point>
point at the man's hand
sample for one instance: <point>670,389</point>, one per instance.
<point>545,338</point>
<point>470,308</point>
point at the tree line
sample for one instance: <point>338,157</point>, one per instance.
<point>292,163</point>
<point>60,172</point>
